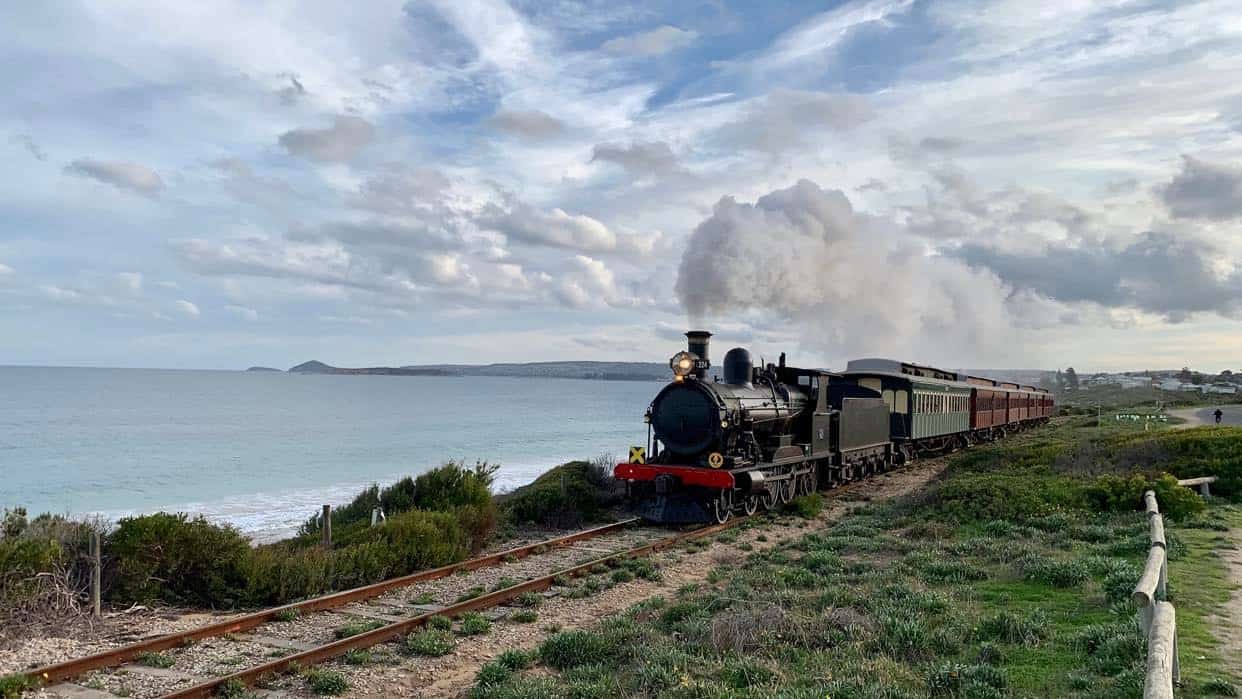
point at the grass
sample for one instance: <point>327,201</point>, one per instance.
<point>326,682</point>
<point>431,642</point>
<point>1009,578</point>
<point>356,627</point>
<point>161,660</point>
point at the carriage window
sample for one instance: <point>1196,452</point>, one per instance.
<point>888,399</point>
<point>873,384</point>
<point>804,380</point>
<point>901,405</point>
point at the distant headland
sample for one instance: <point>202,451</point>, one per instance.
<point>606,371</point>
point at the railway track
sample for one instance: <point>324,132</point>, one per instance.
<point>270,642</point>
<point>201,662</point>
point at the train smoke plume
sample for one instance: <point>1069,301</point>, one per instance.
<point>851,283</point>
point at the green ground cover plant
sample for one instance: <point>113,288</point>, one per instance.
<point>1025,594</point>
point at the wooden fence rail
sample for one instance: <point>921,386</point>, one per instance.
<point>1156,616</point>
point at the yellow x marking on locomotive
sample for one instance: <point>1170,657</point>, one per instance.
<point>638,455</point>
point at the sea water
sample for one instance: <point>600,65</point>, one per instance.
<point>264,450</point>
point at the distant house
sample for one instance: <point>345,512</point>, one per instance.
<point>1224,388</point>
<point>1122,380</point>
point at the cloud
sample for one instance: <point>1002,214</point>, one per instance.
<point>243,312</point>
<point>293,92</point>
<point>1204,190</point>
<point>529,124</point>
<point>1157,272</point>
<point>856,284</point>
<point>338,143</point>
<point>125,175</point>
<point>556,228</point>
<point>187,309</point>
<point>399,190</point>
<point>25,141</point>
<point>5,269</point>
<point>132,281</point>
<point>640,158</point>
<point>786,119</point>
<point>653,42</point>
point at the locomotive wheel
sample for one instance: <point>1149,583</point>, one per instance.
<point>750,504</point>
<point>786,489</point>
<point>770,496</point>
<point>722,506</point>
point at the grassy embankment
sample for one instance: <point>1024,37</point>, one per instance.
<point>440,517</point>
<point>1010,577</point>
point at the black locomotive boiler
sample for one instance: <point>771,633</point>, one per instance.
<point>752,438</point>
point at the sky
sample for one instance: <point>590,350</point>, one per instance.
<point>966,183</point>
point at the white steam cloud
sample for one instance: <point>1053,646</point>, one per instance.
<point>851,283</point>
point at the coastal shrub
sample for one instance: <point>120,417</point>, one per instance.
<point>176,559</point>
<point>1115,493</point>
<point>983,497</point>
<point>410,541</point>
<point>453,488</point>
<point>44,567</point>
<point>806,506</point>
<point>1205,451</point>
<point>565,496</point>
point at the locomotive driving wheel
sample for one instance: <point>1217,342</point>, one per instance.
<point>722,506</point>
<point>750,504</point>
<point>785,490</point>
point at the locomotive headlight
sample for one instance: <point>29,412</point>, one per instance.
<point>724,424</point>
<point>682,364</point>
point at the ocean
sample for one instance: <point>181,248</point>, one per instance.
<point>264,450</point>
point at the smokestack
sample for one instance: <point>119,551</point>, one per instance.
<point>698,342</point>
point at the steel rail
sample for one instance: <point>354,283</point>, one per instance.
<point>399,629</point>
<point>59,672</point>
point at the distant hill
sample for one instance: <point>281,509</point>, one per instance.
<point>317,367</point>
<point>262,368</point>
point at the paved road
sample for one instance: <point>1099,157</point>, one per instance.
<point>1203,416</point>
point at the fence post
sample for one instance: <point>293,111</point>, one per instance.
<point>374,516</point>
<point>96,575</point>
<point>326,526</point>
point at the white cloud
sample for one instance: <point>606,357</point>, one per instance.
<point>124,175</point>
<point>653,42</point>
<point>187,309</point>
<point>337,143</point>
<point>528,123</point>
<point>132,281</point>
<point>5,269</point>
<point>243,312</point>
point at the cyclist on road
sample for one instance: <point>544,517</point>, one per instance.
<point>1218,415</point>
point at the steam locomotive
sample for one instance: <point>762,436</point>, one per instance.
<point>763,435</point>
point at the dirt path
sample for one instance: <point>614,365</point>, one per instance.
<point>453,674</point>
<point>1230,632</point>
<point>1197,417</point>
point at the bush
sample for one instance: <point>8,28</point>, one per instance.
<point>474,623</point>
<point>326,682</point>
<point>524,616</point>
<point>1056,573</point>
<point>1207,451</point>
<point>433,642</point>
<point>1113,493</point>
<point>176,559</point>
<point>566,496</point>
<point>983,497</point>
<point>806,506</point>
<point>569,649</point>
<point>1010,627</point>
